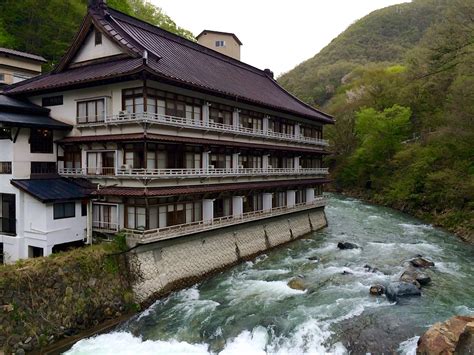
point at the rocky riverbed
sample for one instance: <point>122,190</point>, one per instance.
<point>252,309</point>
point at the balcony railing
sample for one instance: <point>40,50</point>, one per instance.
<point>105,227</point>
<point>182,122</point>
<point>153,235</point>
<point>189,173</point>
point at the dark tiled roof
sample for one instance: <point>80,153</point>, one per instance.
<point>78,75</point>
<point>50,190</point>
<point>200,189</point>
<point>14,104</point>
<point>220,33</point>
<point>176,59</point>
<point>20,113</point>
<point>29,120</point>
<point>176,139</point>
<point>22,54</point>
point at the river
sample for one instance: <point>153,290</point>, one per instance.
<point>249,309</point>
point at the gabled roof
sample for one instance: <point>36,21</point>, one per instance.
<point>220,33</point>
<point>15,53</point>
<point>171,58</point>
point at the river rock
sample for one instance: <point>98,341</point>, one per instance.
<point>421,262</point>
<point>399,289</point>
<point>413,275</point>
<point>444,338</point>
<point>466,340</point>
<point>297,283</point>
<point>347,245</point>
<point>377,290</point>
<point>313,258</point>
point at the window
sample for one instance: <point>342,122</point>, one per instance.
<point>72,157</point>
<point>97,38</point>
<point>91,111</point>
<point>43,167</point>
<point>161,103</point>
<point>279,199</point>
<point>5,133</point>
<point>282,126</point>
<point>104,217</point>
<point>84,208</point>
<point>250,161</point>
<point>311,132</point>
<point>7,214</point>
<point>5,167</point>
<point>220,43</point>
<point>251,120</point>
<point>41,140</point>
<point>220,114</point>
<point>52,100</point>
<point>133,101</point>
<point>35,252</point>
<point>300,196</point>
<point>64,210</point>
<point>2,77</point>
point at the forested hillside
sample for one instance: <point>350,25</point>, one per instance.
<point>400,83</point>
<point>47,27</point>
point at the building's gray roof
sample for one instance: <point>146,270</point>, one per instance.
<point>52,190</point>
<point>16,53</point>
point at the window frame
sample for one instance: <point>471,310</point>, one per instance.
<point>98,117</point>
<point>64,214</point>
<point>39,146</point>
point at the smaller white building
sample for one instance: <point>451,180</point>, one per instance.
<point>39,211</point>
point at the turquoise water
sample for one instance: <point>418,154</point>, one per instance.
<point>251,310</point>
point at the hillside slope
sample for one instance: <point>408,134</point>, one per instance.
<point>400,83</point>
<point>384,35</point>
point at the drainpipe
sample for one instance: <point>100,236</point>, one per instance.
<point>89,223</point>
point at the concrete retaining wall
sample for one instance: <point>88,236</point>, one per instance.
<point>170,265</point>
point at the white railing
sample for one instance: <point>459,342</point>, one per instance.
<point>189,173</point>
<point>183,122</point>
<point>152,235</point>
<point>109,227</point>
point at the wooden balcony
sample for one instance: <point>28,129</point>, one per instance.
<point>188,173</point>
<point>182,122</point>
<point>149,236</point>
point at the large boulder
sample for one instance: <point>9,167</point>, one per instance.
<point>416,277</point>
<point>451,337</point>
<point>395,290</point>
<point>297,283</point>
<point>347,245</point>
<point>421,262</point>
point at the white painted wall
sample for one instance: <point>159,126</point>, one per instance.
<point>90,50</point>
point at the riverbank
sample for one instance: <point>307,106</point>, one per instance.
<point>464,229</point>
<point>46,300</point>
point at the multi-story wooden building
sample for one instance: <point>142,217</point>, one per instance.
<point>158,136</point>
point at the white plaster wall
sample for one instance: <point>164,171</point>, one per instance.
<point>90,51</point>
<point>22,156</point>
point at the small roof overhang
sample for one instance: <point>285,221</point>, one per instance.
<point>52,190</point>
<point>14,119</point>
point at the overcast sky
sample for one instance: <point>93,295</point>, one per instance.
<point>276,34</point>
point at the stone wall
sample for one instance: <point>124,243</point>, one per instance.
<point>170,265</point>
<point>45,299</point>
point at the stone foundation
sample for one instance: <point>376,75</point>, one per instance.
<point>169,265</point>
